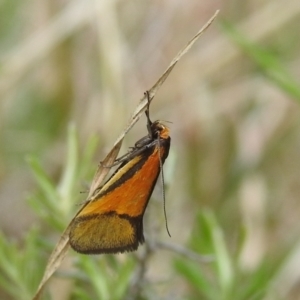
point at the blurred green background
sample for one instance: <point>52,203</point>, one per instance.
<point>71,74</point>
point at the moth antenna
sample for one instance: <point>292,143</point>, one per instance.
<point>147,112</point>
<point>163,188</point>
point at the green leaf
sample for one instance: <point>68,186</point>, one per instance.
<point>271,66</point>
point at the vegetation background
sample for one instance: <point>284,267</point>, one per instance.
<point>71,73</point>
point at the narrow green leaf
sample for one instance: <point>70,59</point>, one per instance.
<point>268,62</point>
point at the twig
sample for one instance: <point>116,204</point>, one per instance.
<point>183,251</point>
